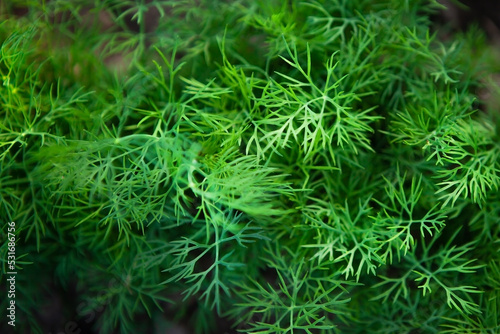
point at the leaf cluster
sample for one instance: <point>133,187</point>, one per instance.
<point>279,166</point>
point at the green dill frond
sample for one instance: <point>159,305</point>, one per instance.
<point>253,166</point>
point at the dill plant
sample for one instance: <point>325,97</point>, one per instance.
<point>278,166</point>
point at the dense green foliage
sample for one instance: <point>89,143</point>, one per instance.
<point>288,166</point>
